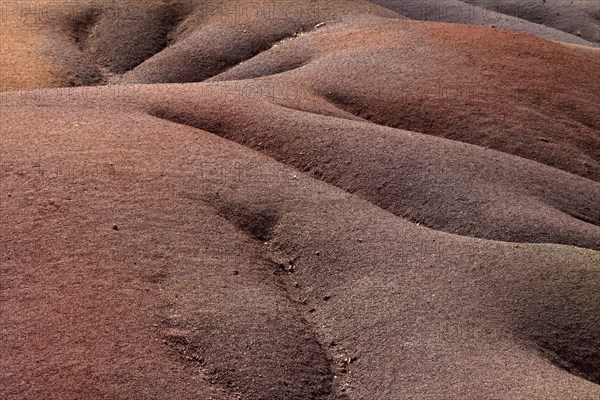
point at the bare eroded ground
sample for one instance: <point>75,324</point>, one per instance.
<point>307,200</point>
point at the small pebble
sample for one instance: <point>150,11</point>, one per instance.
<point>115,227</point>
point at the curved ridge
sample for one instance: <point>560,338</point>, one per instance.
<point>268,234</point>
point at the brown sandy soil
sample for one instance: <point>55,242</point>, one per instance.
<point>589,50</point>
<point>309,200</point>
<point>420,83</point>
<point>521,101</point>
<point>21,65</point>
<point>580,18</point>
<point>564,21</point>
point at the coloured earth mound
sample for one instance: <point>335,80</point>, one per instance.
<point>299,200</point>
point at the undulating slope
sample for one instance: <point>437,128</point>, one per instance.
<point>441,80</point>
<point>503,90</point>
<point>308,200</point>
<point>143,235</point>
<point>565,21</point>
<point>580,17</point>
<point>440,183</point>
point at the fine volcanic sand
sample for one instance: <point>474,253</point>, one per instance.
<point>567,21</point>
<point>305,200</point>
<point>580,18</point>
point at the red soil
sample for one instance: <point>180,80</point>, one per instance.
<point>300,201</point>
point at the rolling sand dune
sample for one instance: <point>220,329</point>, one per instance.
<point>581,17</point>
<point>535,17</point>
<point>307,200</point>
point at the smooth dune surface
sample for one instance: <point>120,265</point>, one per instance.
<point>580,17</point>
<point>296,200</point>
<point>568,21</point>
